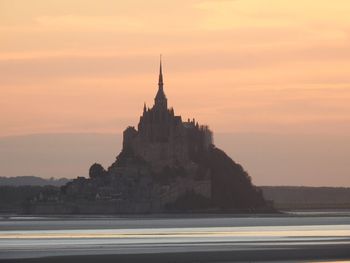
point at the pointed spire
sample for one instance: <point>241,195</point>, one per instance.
<point>160,81</point>
<point>144,107</point>
<point>160,98</point>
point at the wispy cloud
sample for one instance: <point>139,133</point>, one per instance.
<point>264,65</point>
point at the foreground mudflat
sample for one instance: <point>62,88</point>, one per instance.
<point>204,239</point>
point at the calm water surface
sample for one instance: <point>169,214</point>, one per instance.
<point>42,236</point>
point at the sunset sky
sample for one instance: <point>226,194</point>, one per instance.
<point>240,66</point>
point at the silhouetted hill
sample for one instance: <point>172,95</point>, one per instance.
<point>231,185</point>
<point>31,180</point>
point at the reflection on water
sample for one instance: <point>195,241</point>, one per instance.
<point>325,234</point>
<point>32,236</point>
<point>319,213</point>
<point>266,231</point>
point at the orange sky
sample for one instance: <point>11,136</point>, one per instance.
<point>270,77</point>
<point>240,66</point>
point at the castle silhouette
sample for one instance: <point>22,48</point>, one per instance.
<point>167,164</point>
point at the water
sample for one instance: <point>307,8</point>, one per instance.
<point>23,237</point>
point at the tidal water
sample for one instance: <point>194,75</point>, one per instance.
<point>35,237</point>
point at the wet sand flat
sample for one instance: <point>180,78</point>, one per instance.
<point>181,239</point>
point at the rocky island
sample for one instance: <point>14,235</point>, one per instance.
<point>166,165</point>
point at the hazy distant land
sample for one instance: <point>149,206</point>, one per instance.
<point>32,180</point>
<point>302,197</point>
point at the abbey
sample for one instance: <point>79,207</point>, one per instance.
<point>162,138</point>
<point>166,164</point>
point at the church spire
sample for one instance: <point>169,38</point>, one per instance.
<point>160,99</point>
